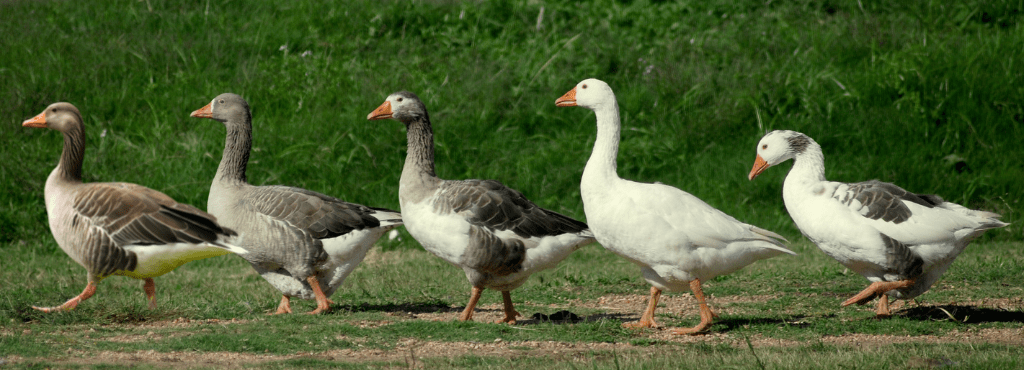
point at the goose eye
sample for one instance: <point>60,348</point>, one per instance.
<point>584,86</point>
<point>221,101</point>
<point>399,100</point>
<point>765,146</point>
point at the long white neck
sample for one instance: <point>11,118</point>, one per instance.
<point>808,170</point>
<point>601,166</point>
<point>810,164</point>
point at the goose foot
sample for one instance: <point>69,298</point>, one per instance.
<point>150,288</point>
<point>90,289</point>
<point>876,289</point>
<point>474,297</point>
<point>322,303</point>
<point>647,319</point>
<point>706,315</point>
<point>284,307</point>
<point>882,310</point>
<point>510,313</point>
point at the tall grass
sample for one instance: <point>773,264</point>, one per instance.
<point>924,94</point>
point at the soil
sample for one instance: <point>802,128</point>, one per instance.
<point>410,352</point>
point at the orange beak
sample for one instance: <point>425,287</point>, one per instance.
<point>204,112</point>
<point>38,121</point>
<point>759,166</point>
<point>382,112</point>
<point>567,100</point>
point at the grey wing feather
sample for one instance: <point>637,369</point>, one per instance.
<point>320,215</point>
<point>494,206</point>
<point>884,201</point>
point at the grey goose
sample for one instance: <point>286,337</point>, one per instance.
<point>497,236</point>
<point>116,228</point>
<point>302,242</point>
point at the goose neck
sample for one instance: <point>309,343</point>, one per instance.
<point>70,166</point>
<point>419,160</point>
<point>606,146</point>
<point>236,153</point>
<point>809,165</point>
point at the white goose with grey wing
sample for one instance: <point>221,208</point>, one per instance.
<point>900,241</point>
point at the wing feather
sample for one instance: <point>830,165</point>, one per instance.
<point>320,215</point>
<point>494,206</point>
<point>135,215</point>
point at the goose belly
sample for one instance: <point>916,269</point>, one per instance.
<point>444,235</point>
<point>156,260</point>
<point>345,252</point>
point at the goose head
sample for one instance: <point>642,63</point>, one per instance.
<point>58,116</point>
<point>590,93</point>
<point>402,106</point>
<point>776,147</point>
<point>225,108</point>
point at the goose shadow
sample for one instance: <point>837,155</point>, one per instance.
<point>796,321</point>
<point>566,317</point>
<point>399,308</point>
<point>416,308</point>
<point>961,314</point>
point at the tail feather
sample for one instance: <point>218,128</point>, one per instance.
<point>778,241</point>
<point>387,217</point>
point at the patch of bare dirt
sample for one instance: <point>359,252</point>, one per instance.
<point>1013,336</point>
<point>410,351</point>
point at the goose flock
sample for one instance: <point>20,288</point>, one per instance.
<point>305,243</point>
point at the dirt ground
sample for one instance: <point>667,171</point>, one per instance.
<point>411,352</point>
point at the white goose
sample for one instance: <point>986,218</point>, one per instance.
<point>302,242</point>
<point>677,240</point>
<point>900,241</point>
<point>497,236</point>
<point>116,228</point>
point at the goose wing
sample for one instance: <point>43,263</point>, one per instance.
<point>907,217</point>
<point>319,215</point>
<point>136,215</point>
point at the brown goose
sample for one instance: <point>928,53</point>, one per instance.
<point>116,228</point>
<point>497,236</point>
<point>303,243</point>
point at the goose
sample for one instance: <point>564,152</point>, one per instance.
<point>900,241</point>
<point>497,236</point>
<point>301,242</point>
<point>116,228</point>
<point>678,240</point>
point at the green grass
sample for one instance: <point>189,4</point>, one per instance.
<point>926,94</point>
<point>394,289</point>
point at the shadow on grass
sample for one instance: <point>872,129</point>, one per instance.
<point>401,308</point>
<point>566,317</point>
<point>961,314</point>
<point>741,322</point>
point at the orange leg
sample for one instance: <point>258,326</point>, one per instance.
<point>321,298</point>
<point>883,307</point>
<point>90,289</point>
<point>706,316</point>
<point>467,314</point>
<point>510,313</point>
<point>150,288</point>
<point>285,306</point>
<point>647,320</point>
<point>877,289</point>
